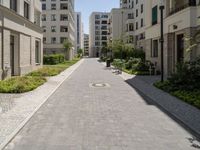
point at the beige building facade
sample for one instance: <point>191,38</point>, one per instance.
<point>58,22</point>
<point>98,33</point>
<point>128,23</point>
<point>180,21</point>
<point>20,37</point>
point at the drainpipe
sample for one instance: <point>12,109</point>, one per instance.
<point>2,46</point>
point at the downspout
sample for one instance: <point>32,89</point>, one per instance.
<point>2,46</point>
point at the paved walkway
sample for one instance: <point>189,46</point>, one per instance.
<point>81,117</point>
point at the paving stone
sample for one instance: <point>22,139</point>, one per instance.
<point>77,117</point>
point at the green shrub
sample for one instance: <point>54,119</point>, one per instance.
<point>191,97</point>
<point>21,84</point>
<point>47,71</point>
<point>187,76</point>
<point>53,59</point>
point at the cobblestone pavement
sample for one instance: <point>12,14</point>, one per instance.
<point>79,116</point>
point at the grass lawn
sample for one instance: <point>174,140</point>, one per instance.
<point>34,79</point>
<point>53,70</point>
<point>191,97</point>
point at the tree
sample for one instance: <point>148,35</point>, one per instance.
<point>80,52</point>
<point>67,46</point>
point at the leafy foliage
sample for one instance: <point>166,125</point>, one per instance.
<point>53,59</point>
<point>185,83</point>
<point>21,84</point>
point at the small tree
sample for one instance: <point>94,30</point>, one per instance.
<point>80,52</point>
<point>67,46</point>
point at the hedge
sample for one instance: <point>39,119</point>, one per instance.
<point>53,59</point>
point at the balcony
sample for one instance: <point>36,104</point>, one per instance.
<point>181,5</point>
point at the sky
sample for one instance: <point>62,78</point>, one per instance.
<point>86,7</point>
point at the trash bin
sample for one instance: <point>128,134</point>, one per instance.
<point>108,62</point>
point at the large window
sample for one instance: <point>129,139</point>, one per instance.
<point>154,15</point>
<point>154,51</point>
<point>37,52</point>
<point>26,10</point>
<point>13,5</point>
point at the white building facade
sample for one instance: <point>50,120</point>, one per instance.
<point>58,22</point>
<point>20,37</point>
<point>98,32</point>
<point>79,32</point>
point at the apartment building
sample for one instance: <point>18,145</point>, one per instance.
<point>20,37</point>
<point>181,20</point>
<point>58,22</point>
<point>98,32</point>
<point>79,32</point>
<point>86,44</point>
<point>128,23</point>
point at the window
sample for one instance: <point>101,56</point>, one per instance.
<point>142,22</point>
<point>53,40</point>
<point>154,51</point>
<point>63,29</point>
<point>142,8</point>
<point>53,6</point>
<point>53,17</point>
<point>154,15</point>
<point>63,17</point>
<point>136,12</point>
<point>37,52</point>
<point>63,39</point>
<point>44,40</point>
<point>13,5</point>
<point>44,17</point>
<point>44,7</point>
<point>26,10</point>
<point>64,6</point>
<point>53,28</point>
<point>136,25</point>
<point>44,28</point>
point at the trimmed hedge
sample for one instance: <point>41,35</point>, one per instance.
<point>53,59</point>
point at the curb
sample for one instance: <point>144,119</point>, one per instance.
<point>174,116</point>
<point>18,129</point>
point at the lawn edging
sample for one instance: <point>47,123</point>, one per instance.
<point>69,71</point>
<point>34,79</point>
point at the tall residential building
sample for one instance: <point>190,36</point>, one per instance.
<point>128,22</point>
<point>118,29</point>
<point>79,32</point>
<point>98,32</point>
<point>21,37</point>
<point>180,21</point>
<point>86,44</point>
<point>58,21</point>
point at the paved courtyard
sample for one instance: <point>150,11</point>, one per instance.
<point>79,116</point>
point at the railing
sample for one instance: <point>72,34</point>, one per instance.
<point>182,7</point>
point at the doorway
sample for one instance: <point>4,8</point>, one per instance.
<point>180,48</point>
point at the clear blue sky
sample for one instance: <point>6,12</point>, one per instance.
<point>86,7</point>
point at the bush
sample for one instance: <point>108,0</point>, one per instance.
<point>118,63</point>
<point>47,71</point>
<point>21,84</point>
<point>53,59</point>
<point>187,76</point>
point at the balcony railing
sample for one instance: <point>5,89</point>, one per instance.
<point>182,7</point>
